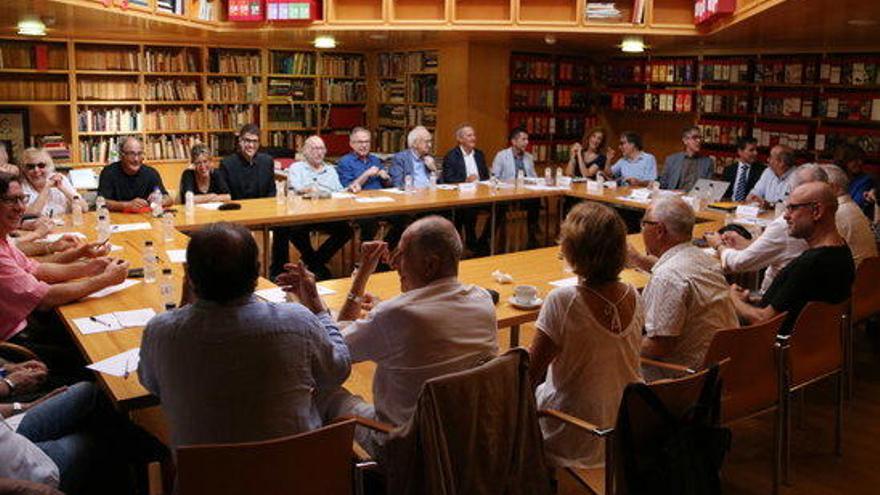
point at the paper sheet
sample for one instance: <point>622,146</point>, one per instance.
<point>210,206</point>
<point>341,195</point>
<point>376,199</point>
<point>446,187</point>
<point>176,255</point>
<point>59,235</point>
<point>135,317</point>
<point>394,190</point>
<point>107,322</point>
<point>106,291</point>
<point>114,248</point>
<point>119,365</point>
<point>545,188</point>
<point>276,294</point>
<point>566,282</point>
<point>130,227</point>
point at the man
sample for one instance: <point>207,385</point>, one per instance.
<point>744,174</point>
<point>229,367</point>
<point>774,248</point>
<point>773,185</point>
<point>851,223</point>
<point>682,169</point>
<point>466,163</point>
<point>507,163</point>
<point>635,167</point>
<point>128,183</point>
<point>851,158</point>
<point>415,161</point>
<point>686,299</point>
<point>309,177</point>
<point>249,173</point>
<point>824,272</point>
<point>436,326</point>
<point>361,169</point>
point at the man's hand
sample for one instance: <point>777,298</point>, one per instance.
<point>368,302</point>
<point>871,196</point>
<point>372,253</point>
<point>31,364</point>
<point>137,204</point>
<point>610,155</point>
<point>299,281</point>
<point>471,178</point>
<point>374,170</point>
<point>116,271</point>
<point>734,240</point>
<point>96,266</point>
<point>27,379</point>
<point>42,227</point>
<point>713,239</point>
<point>66,242</point>
<point>354,187</point>
<point>737,293</point>
<point>383,174</point>
<point>429,162</point>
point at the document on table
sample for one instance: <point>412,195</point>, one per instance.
<point>135,317</point>
<point>565,282</point>
<point>106,291</point>
<point>119,365</point>
<point>118,320</point>
<point>341,195</point>
<point>541,187</point>
<point>450,187</point>
<point>57,236</point>
<point>130,227</point>
<point>394,190</point>
<point>277,294</point>
<point>210,206</point>
<point>375,199</point>
<point>176,255</point>
<point>114,248</point>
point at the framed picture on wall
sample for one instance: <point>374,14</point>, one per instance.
<point>14,131</point>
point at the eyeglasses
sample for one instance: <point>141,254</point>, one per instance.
<point>364,141</point>
<point>133,153</point>
<point>32,166</point>
<point>790,207</point>
<point>11,200</point>
<point>250,141</point>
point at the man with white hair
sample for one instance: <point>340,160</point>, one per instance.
<point>852,224</point>
<point>686,299</point>
<point>415,161</point>
<point>774,248</point>
<point>311,176</point>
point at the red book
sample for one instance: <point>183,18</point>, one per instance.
<point>41,57</point>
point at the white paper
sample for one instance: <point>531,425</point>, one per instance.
<point>120,364</point>
<point>114,248</point>
<point>130,227</point>
<point>106,291</point>
<point>341,195</point>
<point>565,282</point>
<point>394,190</point>
<point>277,294</point>
<point>210,206</point>
<point>176,255</point>
<point>375,199</point>
<point>83,178</point>
<point>134,317</point>
<point>447,187</point>
<point>55,237</point>
<point>468,186</point>
<point>107,322</point>
<point>747,211</point>
<point>545,188</point>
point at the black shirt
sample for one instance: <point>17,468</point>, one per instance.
<point>114,184</point>
<point>247,180</point>
<point>188,183</point>
<point>823,274</point>
<point>599,161</point>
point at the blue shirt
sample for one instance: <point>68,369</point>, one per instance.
<point>301,176</point>
<point>350,167</point>
<point>642,167</point>
<point>420,172</point>
<point>857,189</point>
<point>771,188</point>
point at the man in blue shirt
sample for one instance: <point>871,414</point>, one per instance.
<point>636,167</point>
<point>850,158</point>
<point>774,185</point>
<point>506,164</point>
<point>414,161</point>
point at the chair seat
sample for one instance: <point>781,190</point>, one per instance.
<point>592,479</point>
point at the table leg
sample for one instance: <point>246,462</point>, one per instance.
<point>492,232</point>
<point>267,251</point>
<point>514,336</point>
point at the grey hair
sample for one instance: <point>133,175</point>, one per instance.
<point>415,134</point>
<point>676,215</point>
<point>358,130</point>
<point>836,177</point>
<point>39,154</point>
<point>808,172</point>
<point>310,143</point>
<point>125,140</point>
<point>460,129</point>
<point>435,235</point>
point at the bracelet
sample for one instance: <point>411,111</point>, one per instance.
<point>9,383</point>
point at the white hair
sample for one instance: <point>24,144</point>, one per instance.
<point>459,131</point>
<point>808,172</point>
<point>837,178</point>
<point>676,215</point>
<point>417,132</point>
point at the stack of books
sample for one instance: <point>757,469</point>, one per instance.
<point>55,145</point>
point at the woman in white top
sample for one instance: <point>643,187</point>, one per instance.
<point>588,336</point>
<point>48,192</point>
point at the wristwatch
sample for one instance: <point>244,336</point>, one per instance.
<point>9,383</point>
<point>17,407</point>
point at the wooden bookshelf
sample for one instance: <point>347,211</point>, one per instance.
<point>408,96</point>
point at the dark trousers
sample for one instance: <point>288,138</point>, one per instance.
<point>467,218</point>
<point>316,260</point>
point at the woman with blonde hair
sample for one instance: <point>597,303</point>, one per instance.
<point>588,336</point>
<point>202,179</point>
<point>588,156</point>
<point>48,192</point>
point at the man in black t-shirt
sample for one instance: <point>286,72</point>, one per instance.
<point>128,183</point>
<point>824,272</point>
<point>248,173</point>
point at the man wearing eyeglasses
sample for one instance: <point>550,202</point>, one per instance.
<point>824,272</point>
<point>683,169</point>
<point>249,173</point>
<point>128,183</point>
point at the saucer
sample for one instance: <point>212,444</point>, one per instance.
<point>536,303</point>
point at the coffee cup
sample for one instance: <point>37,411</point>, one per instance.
<point>525,294</point>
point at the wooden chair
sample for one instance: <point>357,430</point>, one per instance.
<point>318,462</point>
<point>865,303</point>
<point>813,352</point>
<point>678,394</point>
<point>15,353</point>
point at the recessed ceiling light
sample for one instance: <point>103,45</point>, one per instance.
<point>632,44</point>
<point>31,26</point>
<point>325,42</point>
<point>862,22</point>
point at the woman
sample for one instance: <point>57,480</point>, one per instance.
<point>5,166</point>
<point>205,182</point>
<point>588,336</point>
<point>587,157</point>
<point>48,192</point>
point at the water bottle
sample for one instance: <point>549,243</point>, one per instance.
<point>494,184</point>
<point>103,226</point>
<point>548,176</point>
<point>559,175</point>
<point>149,262</point>
<point>600,178</point>
<point>156,202</point>
<point>168,227</point>
<point>100,203</point>
<point>166,289</point>
<point>76,211</point>
<point>520,179</point>
<point>408,183</point>
<point>280,192</point>
<point>432,178</point>
<point>189,202</point>
<point>291,202</point>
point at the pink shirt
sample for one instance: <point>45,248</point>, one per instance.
<point>21,290</point>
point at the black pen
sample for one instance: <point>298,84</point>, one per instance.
<point>102,322</point>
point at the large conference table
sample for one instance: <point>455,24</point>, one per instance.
<point>539,267</point>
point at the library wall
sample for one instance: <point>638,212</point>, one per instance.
<point>49,119</point>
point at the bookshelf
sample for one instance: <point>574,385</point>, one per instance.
<point>408,96</point>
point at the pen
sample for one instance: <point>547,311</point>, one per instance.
<point>125,370</point>
<point>97,320</point>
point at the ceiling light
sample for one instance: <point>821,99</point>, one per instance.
<point>325,42</point>
<point>31,26</point>
<point>550,39</point>
<point>632,44</point>
<point>862,22</point>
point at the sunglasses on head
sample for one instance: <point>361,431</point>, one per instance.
<point>31,166</point>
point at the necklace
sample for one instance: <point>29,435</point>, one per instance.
<point>610,310</point>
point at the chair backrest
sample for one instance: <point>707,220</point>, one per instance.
<point>313,463</point>
<point>816,344</point>
<point>751,379</point>
<point>866,290</point>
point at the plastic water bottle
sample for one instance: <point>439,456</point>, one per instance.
<point>291,202</point>
<point>149,262</point>
<point>76,211</point>
<point>600,178</point>
<point>548,176</point>
<point>559,175</point>
<point>166,289</point>
<point>408,184</point>
<point>189,202</point>
<point>156,202</point>
<point>520,179</point>
<point>432,180</point>
<point>280,192</point>
<point>168,227</point>
<point>100,203</point>
<point>103,226</point>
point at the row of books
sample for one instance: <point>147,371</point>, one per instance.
<point>426,116</point>
<point>175,119</point>
<point>572,99</point>
<point>296,63</point>
<point>726,71</point>
<point>287,139</point>
<point>346,91</point>
<point>734,102</point>
<point>786,71</point>
<point>223,144</point>
<point>170,146</point>
<point>296,89</point>
<point>849,106</point>
<point>390,140</point>
<point>171,89</point>
<point>392,91</point>
<point>423,89</point>
<point>392,115</point>
<point>55,146</point>
<point>284,116</point>
<point>851,72</point>
<point>233,89</point>
<point>235,62</point>
<point>535,124</point>
<point>231,116</point>
<point>109,120</point>
<point>652,101</point>
<point>97,57</point>
<point>550,152</point>
<point>795,137</point>
<point>99,149</point>
<point>722,132</point>
<point>393,65</point>
<point>672,71</point>
<point>349,66</point>
<point>170,6</point>
<point>41,56</point>
<point>786,105</point>
<point>33,88</point>
<point>107,89</point>
<point>574,72</point>
<point>868,140</point>
<point>533,70</point>
<point>171,60</point>
<point>531,97</point>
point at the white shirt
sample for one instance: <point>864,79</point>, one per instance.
<point>21,459</point>
<point>855,228</point>
<point>587,377</point>
<point>772,188</point>
<point>421,334</point>
<point>57,202</point>
<point>687,297</point>
<point>773,249</point>
<point>470,164</point>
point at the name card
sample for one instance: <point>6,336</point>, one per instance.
<point>593,187</point>
<point>747,211</point>
<point>641,194</point>
<point>467,187</point>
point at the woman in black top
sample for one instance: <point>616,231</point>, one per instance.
<point>587,157</point>
<point>202,179</point>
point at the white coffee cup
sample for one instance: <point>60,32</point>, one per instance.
<point>525,294</point>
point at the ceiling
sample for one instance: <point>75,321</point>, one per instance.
<point>800,24</point>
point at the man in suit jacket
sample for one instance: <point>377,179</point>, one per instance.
<point>465,163</point>
<point>746,169</point>
<point>414,161</point>
<point>505,166</point>
<point>683,169</point>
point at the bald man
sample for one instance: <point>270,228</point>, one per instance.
<point>824,272</point>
